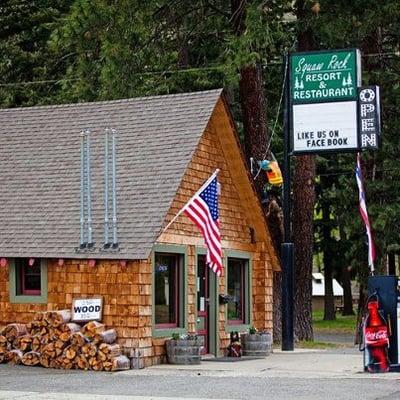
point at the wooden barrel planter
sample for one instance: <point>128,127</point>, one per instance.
<point>256,345</point>
<point>184,351</point>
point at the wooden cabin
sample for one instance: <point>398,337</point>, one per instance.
<point>153,282</point>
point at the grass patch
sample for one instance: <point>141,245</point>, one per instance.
<point>305,344</point>
<point>342,324</point>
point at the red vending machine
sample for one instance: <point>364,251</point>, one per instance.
<point>381,327</point>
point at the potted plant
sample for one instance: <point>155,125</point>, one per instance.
<point>255,343</point>
<point>184,349</point>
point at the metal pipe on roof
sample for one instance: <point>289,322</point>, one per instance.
<point>114,188</point>
<point>82,203</point>
<point>106,188</point>
<point>89,196</point>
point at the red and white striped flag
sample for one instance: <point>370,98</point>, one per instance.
<point>202,209</point>
<point>364,214</point>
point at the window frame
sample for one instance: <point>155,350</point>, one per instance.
<point>243,291</point>
<point>28,292</point>
<point>174,324</point>
<point>18,294</point>
<point>240,325</point>
<point>166,330</point>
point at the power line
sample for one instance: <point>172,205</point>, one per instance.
<point>174,71</point>
<point>336,173</point>
<point>148,73</point>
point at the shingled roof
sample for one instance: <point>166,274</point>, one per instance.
<point>40,171</point>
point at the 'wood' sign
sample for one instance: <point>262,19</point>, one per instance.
<point>84,310</point>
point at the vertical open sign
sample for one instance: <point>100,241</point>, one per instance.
<point>369,124</point>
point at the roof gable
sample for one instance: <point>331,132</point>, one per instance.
<point>40,171</point>
<point>241,214</point>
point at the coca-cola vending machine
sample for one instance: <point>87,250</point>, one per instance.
<point>381,328</point>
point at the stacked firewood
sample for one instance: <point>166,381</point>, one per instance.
<point>52,341</point>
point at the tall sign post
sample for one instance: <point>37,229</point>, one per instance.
<point>326,111</point>
<point>287,249</point>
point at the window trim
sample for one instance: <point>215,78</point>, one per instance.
<point>28,297</point>
<point>182,327</point>
<point>231,326</point>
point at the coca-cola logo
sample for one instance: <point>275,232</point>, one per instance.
<point>373,336</point>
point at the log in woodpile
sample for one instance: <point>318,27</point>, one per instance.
<point>31,358</point>
<point>71,327</point>
<point>4,345</point>
<point>89,350</point>
<point>14,357</point>
<point>12,331</point>
<point>92,328</point>
<point>57,318</point>
<point>81,362</point>
<point>109,336</point>
<point>52,341</point>
<point>120,363</point>
<point>79,339</point>
<point>24,343</point>
<point>44,360</point>
<point>33,327</point>
<point>110,350</point>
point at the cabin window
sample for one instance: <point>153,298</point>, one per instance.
<point>28,280</point>
<point>167,289</point>
<point>28,277</point>
<point>237,290</point>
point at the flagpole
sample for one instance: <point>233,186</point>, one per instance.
<point>364,214</point>
<point>184,207</point>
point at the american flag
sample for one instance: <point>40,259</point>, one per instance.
<point>364,214</point>
<point>202,209</point>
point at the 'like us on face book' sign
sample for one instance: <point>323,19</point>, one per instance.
<point>323,97</point>
<point>84,310</point>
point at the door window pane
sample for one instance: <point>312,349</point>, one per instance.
<point>166,289</point>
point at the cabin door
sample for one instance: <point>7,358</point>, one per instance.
<point>203,301</point>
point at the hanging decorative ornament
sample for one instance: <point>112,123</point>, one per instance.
<point>273,171</point>
<point>274,174</point>
<point>91,263</point>
<point>3,262</point>
<point>61,262</point>
<point>31,262</point>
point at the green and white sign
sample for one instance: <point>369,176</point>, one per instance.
<point>323,97</point>
<point>324,76</point>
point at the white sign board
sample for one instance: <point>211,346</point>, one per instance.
<point>87,309</point>
<point>323,127</point>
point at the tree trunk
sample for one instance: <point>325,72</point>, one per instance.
<point>329,303</point>
<point>391,264</point>
<point>346,278</point>
<point>361,311</point>
<point>253,106</point>
<point>347,295</point>
<point>303,212</point>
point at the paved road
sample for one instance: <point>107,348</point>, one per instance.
<point>192,386</point>
<point>209,381</point>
